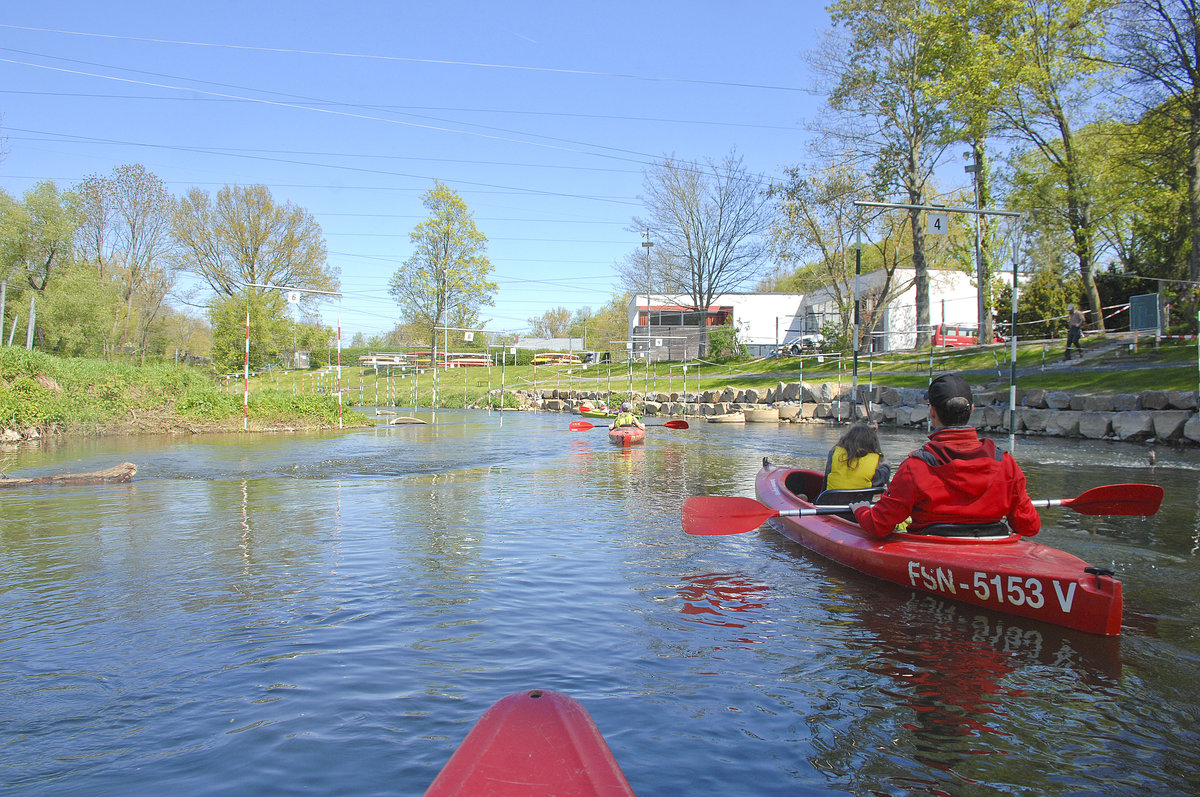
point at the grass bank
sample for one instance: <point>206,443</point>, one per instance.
<point>1108,369</point>
<point>81,396</point>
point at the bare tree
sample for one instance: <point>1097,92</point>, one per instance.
<point>707,223</point>
<point>127,234</point>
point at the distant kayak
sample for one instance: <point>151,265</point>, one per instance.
<point>596,413</point>
<point>626,435</point>
<point>532,743</point>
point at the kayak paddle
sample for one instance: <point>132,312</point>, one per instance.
<point>717,515</point>
<point>584,426</point>
<point>712,515</point>
<point>1112,499</point>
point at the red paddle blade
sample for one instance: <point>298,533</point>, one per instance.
<point>1118,499</point>
<point>581,426</point>
<point>676,424</point>
<point>715,515</point>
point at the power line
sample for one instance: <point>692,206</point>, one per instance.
<point>410,59</point>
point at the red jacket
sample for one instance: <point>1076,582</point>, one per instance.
<point>954,478</point>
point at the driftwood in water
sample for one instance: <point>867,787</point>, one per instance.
<point>404,419</point>
<point>120,473</point>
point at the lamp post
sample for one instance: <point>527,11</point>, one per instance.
<point>646,244</point>
<point>984,327</point>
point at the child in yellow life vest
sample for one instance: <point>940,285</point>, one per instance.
<point>856,462</point>
<point>625,417</point>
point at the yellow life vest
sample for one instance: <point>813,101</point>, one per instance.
<point>625,419</point>
<point>843,477</point>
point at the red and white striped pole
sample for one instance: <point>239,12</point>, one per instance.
<point>339,371</point>
<point>246,380</point>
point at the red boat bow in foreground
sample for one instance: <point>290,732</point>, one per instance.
<point>1009,574</point>
<point>532,743</point>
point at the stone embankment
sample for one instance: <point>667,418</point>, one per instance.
<point>1165,416</point>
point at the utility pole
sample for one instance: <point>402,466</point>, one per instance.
<point>984,324</point>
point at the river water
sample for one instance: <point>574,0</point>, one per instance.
<point>329,613</point>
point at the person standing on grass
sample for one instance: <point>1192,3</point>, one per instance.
<point>1074,331</point>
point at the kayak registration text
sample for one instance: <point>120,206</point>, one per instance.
<point>1014,590</point>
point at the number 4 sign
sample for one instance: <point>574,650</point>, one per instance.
<point>935,223</point>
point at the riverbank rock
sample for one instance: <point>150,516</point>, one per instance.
<point>1133,425</point>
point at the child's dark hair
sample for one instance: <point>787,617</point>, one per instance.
<point>858,441</point>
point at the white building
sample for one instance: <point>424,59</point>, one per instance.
<point>953,299</point>
<point>665,327</point>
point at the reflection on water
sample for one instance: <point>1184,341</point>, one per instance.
<point>331,612</point>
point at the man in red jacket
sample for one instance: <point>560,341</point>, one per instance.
<point>954,478</point>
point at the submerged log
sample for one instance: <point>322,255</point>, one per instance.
<point>119,473</point>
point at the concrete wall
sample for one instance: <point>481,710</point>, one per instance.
<point>1160,416</point>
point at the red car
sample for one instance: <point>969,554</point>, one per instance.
<point>959,335</point>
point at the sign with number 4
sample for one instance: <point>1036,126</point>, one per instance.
<point>936,223</point>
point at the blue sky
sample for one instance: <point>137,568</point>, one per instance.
<point>543,116</point>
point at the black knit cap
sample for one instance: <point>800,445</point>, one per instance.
<point>947,387</point>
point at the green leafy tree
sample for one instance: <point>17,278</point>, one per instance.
<point>447,274</point>
<point>75,310</point>
<point>554,323</point>
<point>816,231</point>
<point>724,343</point>
<point>1158,43</point>
<point>1054,49</point>
<point>968,75</point>
<point>36,234</point>
<point>889,120</point>
<point>270,330</point>
<point>1043,300</point>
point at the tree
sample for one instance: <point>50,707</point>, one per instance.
<point>1054,48</point>
<point>817,229</point>
<point>270,329</point>
<point>244,236</point>
<point>448,271</point>
<point>554,323</point>
<point>126,235</point>
<point>707,223</point>
<point>896,125</point>
<point>1158,42</point>
<point>969,77</point>
<point>36,234</point>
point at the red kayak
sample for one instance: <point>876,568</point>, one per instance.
<point>1011,573</point>
<point>532,743</point>
<point>626,435</point>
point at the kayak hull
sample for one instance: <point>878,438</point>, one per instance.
<point>626,435</point>
<point>1010,574</point>
<point>532,743</point>
<point>596,413</point>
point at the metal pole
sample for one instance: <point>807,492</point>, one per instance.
<point>1012,373</point>
<point>3,291</point>
<point>246,379</point>
<point>857,321</point>
<point>32,321</point>
<point>339,370</point>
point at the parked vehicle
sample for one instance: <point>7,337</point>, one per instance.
<point>954,335</point>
